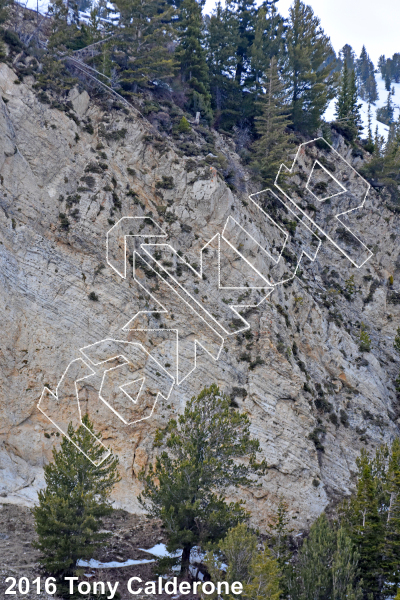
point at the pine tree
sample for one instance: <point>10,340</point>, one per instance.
<point>310,77</point>
<point>69,515</point>
<point>345,569</point>
<point>264,578</point>
<point>369,146</point>
<point>186,488</point>
<point>268,43</point>
<point>245,13</point>
<point>354,106</point>
<point>391,549</point>
<point>271,148</point>
<point>191,57</point>
<point>238,547</point>
<point>279,543</point>
<point>140,49</point>
<point>362,520</point>
<point>311,577</point>
<point>343,102</point>
<point>366,77</point>
<point>327,566</point>
<point>348,56</point>
<point>347,106</point>
<point>221,44</point>
<point>384,114</point>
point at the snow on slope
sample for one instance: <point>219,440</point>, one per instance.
<point>383,94</point>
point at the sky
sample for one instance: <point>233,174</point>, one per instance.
<point>375,23</point>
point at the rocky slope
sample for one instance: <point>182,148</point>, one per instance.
<point>67,174</point>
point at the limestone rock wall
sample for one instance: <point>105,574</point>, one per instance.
<point>47,274</point>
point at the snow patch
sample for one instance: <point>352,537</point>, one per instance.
<point>383,94</point>
<point>95,564</point>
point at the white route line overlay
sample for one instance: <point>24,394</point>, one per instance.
<point>46,390</point>
<point>290,170</point>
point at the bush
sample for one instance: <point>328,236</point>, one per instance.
<point>183,126</point>
<point>167,183</point>
<point>93,296</point>
<point>365,340</point>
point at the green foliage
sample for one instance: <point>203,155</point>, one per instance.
<point>140,50</point>
<point>258,571</point>
<point>237,549</point>
<point>4,10</point>
<point>350,285</point>
<point>186,487</point>
<point>191,57</point>
<point>183,126</point>
<point>279,542</point>
<point>396,343</point>
<point>221,43</point>
<point>274,142</point>
<point>264,579</point>
<point>391,549</point>
<point>347,106</point>
<point>365,341</point>
<point>68,518</point>
<point>326,568</point>
<point>363,520</point>
<point>385,113</point>
<point>309,74</point>
<point>366,78</point>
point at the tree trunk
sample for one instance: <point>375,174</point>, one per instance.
<point>185,559</point>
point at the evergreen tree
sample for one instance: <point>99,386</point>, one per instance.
<point>354,106</point>
<point>221,43</point>
<point>309,75</point>
<point>274,142</point>
<point>369,146</point>
<point>279,543</point>
<point>186,487</point>
<point>58,11</point>
<point>258,571</point>
<point>363,521</point>
<point>392,527</point>
<point>140,50</point>
<point>366,78</point>
<point>268,43</point>
<point>343,102</point>
<point>311,576</point>
<point>238,547</point>
<point>68,518</point>
<point>264,578</point>
<point>384,114</point>
<point>326,568</point>
<point>191,57</point>
<point>245,13</point>
<point>347,106</point>
<point>345,569</point>
<point>280,534</point>
<point>348,56</point>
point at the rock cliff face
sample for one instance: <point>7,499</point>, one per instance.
<point>313,398</point>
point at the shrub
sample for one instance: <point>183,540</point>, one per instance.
<point>365,340</point>
<point>183,126</point>
<point>167,183</point>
